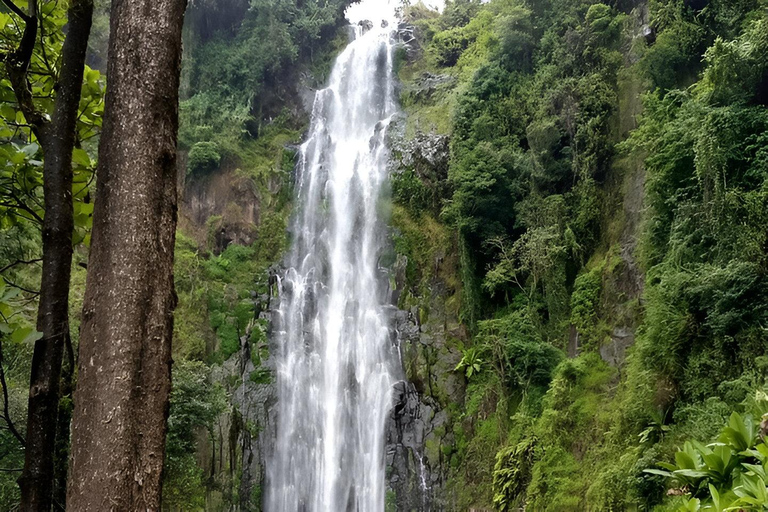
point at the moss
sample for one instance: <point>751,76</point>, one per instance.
<point>261,376</point>
<point>432,448</point>
<point>390,504</point>
<point>429,250</point>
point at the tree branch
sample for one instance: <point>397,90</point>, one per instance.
<point>19,262</point>
<point>14,285</point>
<point>42,47</point>
<point>18,66</point>
<point>21,206</point>
<point>16,10</point>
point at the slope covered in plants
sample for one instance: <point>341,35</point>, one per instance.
<point>606,200</point>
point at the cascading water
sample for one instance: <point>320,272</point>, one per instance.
<point>335,362</point>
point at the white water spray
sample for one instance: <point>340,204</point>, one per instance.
<point>335,360</point>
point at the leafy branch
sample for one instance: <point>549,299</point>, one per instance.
<point>16,10</point>
<point>6,407</point>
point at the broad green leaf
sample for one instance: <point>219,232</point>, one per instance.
<point>715,497</point>
<point>691,473</point>
<point>684,461</point>
<point>80,157</point>
<point>8,111</point>
<point>25,334</point>
<point>692,505</point>
<point>659,472</point>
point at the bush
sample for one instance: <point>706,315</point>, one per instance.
<point>203,158</point>
<point>585,303</point>
<point>512,474</point>
<point>196,403</point>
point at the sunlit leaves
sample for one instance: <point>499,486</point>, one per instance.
<point>727,475</point>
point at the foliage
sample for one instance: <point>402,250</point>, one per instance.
<point>512,474</point>
<point>22,211</point>
<point>530,136</point>
<point>195,407</point>
<point>216,298</point>
<point>585,306</point>
<point>542,101</point>
<point>522,359</point>
<point>203,158</point>
<point>470,363</point>
<point>727,475</point>
<point>258,46</point>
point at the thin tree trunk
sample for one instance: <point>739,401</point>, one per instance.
<point>124,378</point>
<point>57,139</point>
<point>63,425</point>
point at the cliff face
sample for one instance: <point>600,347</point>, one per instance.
<point>428,333</point>
<point>440,451</point>
<point>223,206</point>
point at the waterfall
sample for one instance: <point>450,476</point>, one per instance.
<point>335,363</point>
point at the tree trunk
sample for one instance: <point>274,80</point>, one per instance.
<point>124,379</point>
<point>57,139</point>
<point>64,422</point>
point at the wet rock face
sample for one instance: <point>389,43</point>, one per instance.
<point>410,478</point>
<point>245,433</point>
<point>255,402</point>
<point>419,430</point>
<point>428,154</point>
<point>235,455</point>
<point>413,478</point>
<point>420,437</point>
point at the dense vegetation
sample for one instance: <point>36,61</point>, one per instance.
<point>546,147</point>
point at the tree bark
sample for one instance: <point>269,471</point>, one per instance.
<point>57,138</point>
<point>63,425</point>
<point>124,379</point>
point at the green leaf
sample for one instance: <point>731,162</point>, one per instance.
<point>659,472</point>
<point>740,432</point>
<point>10,293</point>
<point>25,335</point>
<point>31,149</point>
<point>684,461</point>
<point>8,112</point>
<point>692,473</point>
<point>692,505</point>
<point>18,158</point>
<point>715,497</point>
<point>80,157</point>
<point>86,208</point>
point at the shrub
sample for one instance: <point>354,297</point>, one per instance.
<point>203,158</point>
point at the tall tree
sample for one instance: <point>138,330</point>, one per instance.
<point>57,137</point>
<point>124,379</point>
